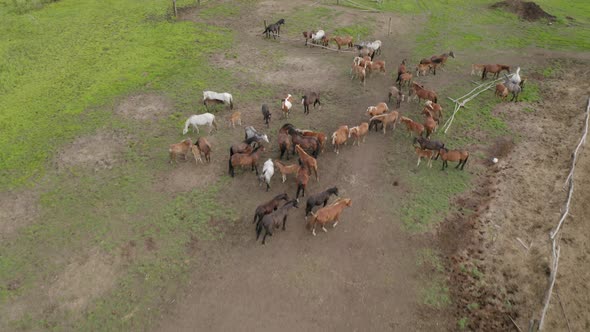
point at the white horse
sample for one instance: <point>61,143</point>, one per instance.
<point>201,120</point>
<point>375,46</point>
<point>224,98</point>
<point>268,170</point>
<point>318,36</point>
<point>252,132</point>
<point>286,105</point>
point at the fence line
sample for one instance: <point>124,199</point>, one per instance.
<point>555,248</point>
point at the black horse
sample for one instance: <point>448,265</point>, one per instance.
<point>266,115</point>
<point>274,219</point>
<point>319,199</point>
<point>274,28</point>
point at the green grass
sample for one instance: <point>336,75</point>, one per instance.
<point>63,66</point>
<point>473,26</point>
<point>462,323</point>
<point>436,294</point>
<point>70,56</point>
<point>431,196</point>
<point>314,18</point>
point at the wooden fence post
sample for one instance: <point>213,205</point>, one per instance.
<point>389,28</point>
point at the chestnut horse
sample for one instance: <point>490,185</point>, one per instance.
<point>339,138</point>
<point>320,136</point>
<point>412,126</point>
<point>453,155</point>
<point>343,41</point>
<point>310,162</point>
<point>307,142</point>
<point>285,144</point>
<point>243,159</point>
<point>328,214</point>
<point>495,69</point>
<point>422,93</point>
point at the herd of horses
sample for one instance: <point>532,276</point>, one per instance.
<point>307,145</point>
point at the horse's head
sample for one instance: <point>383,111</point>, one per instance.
<point>281,21</point>
<point>333,191</point>
<point>451,54</point>
<point>347,201</point>
<point>265,138</point>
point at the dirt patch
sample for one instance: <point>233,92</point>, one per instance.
<point>101,151</point>
<point>83,281</point>
<point>517,200</point>
<point>17,209</point>
<point>144,106</point>
<point>526,10</point>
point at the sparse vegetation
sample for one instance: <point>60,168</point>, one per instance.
<point>60,79</point>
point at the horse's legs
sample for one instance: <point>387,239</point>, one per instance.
<point>419,158</point>
<point>336,223</point>
<point>284,222</point>
<point>324,229</point>
<point>284,178</point>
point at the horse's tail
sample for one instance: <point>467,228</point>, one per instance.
<point>334,138</point>
<point>231,103</point>
<point>258,229</point>
<point>484,72</point>
<point>435,99</point>
<point>231,167</point>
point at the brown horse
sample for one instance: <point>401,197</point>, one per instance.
<point>440,60</point>
<point>201,149</point>
<point>405,79</point>
<point>339,138</point>
<point>377,66</point>
<point>328,214</point>
<point>302,180</point>
<point>182,148</point>
<point>433,109</point>
<point>423,69</point>
<point>453,155</point>
<point>320,136</point>
<point>359,132</point>
<point>495,69</point>
<point>421,93</point>
<point>401,69</point>
<point>394,91</point>
<point>423,153</point>
<point>429,125</point>
<point>286,169</point>
<point>387,119</point>
<point>285,144</point>
<point>245,159</point>
<point>412,126</point>
<point>309,143</point>
<point>360,72</point>
<point>273,220</point>
<point>379,109</point>
<point>308,99</point>
<point>501,91</point>
<point>268,207</point>
<point>343,41</point>
<point>310,162</point>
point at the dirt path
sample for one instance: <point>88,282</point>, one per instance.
<point>359,276</point>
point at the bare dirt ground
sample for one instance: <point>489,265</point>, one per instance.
<point>521,198</point>
<point>361,275</point>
